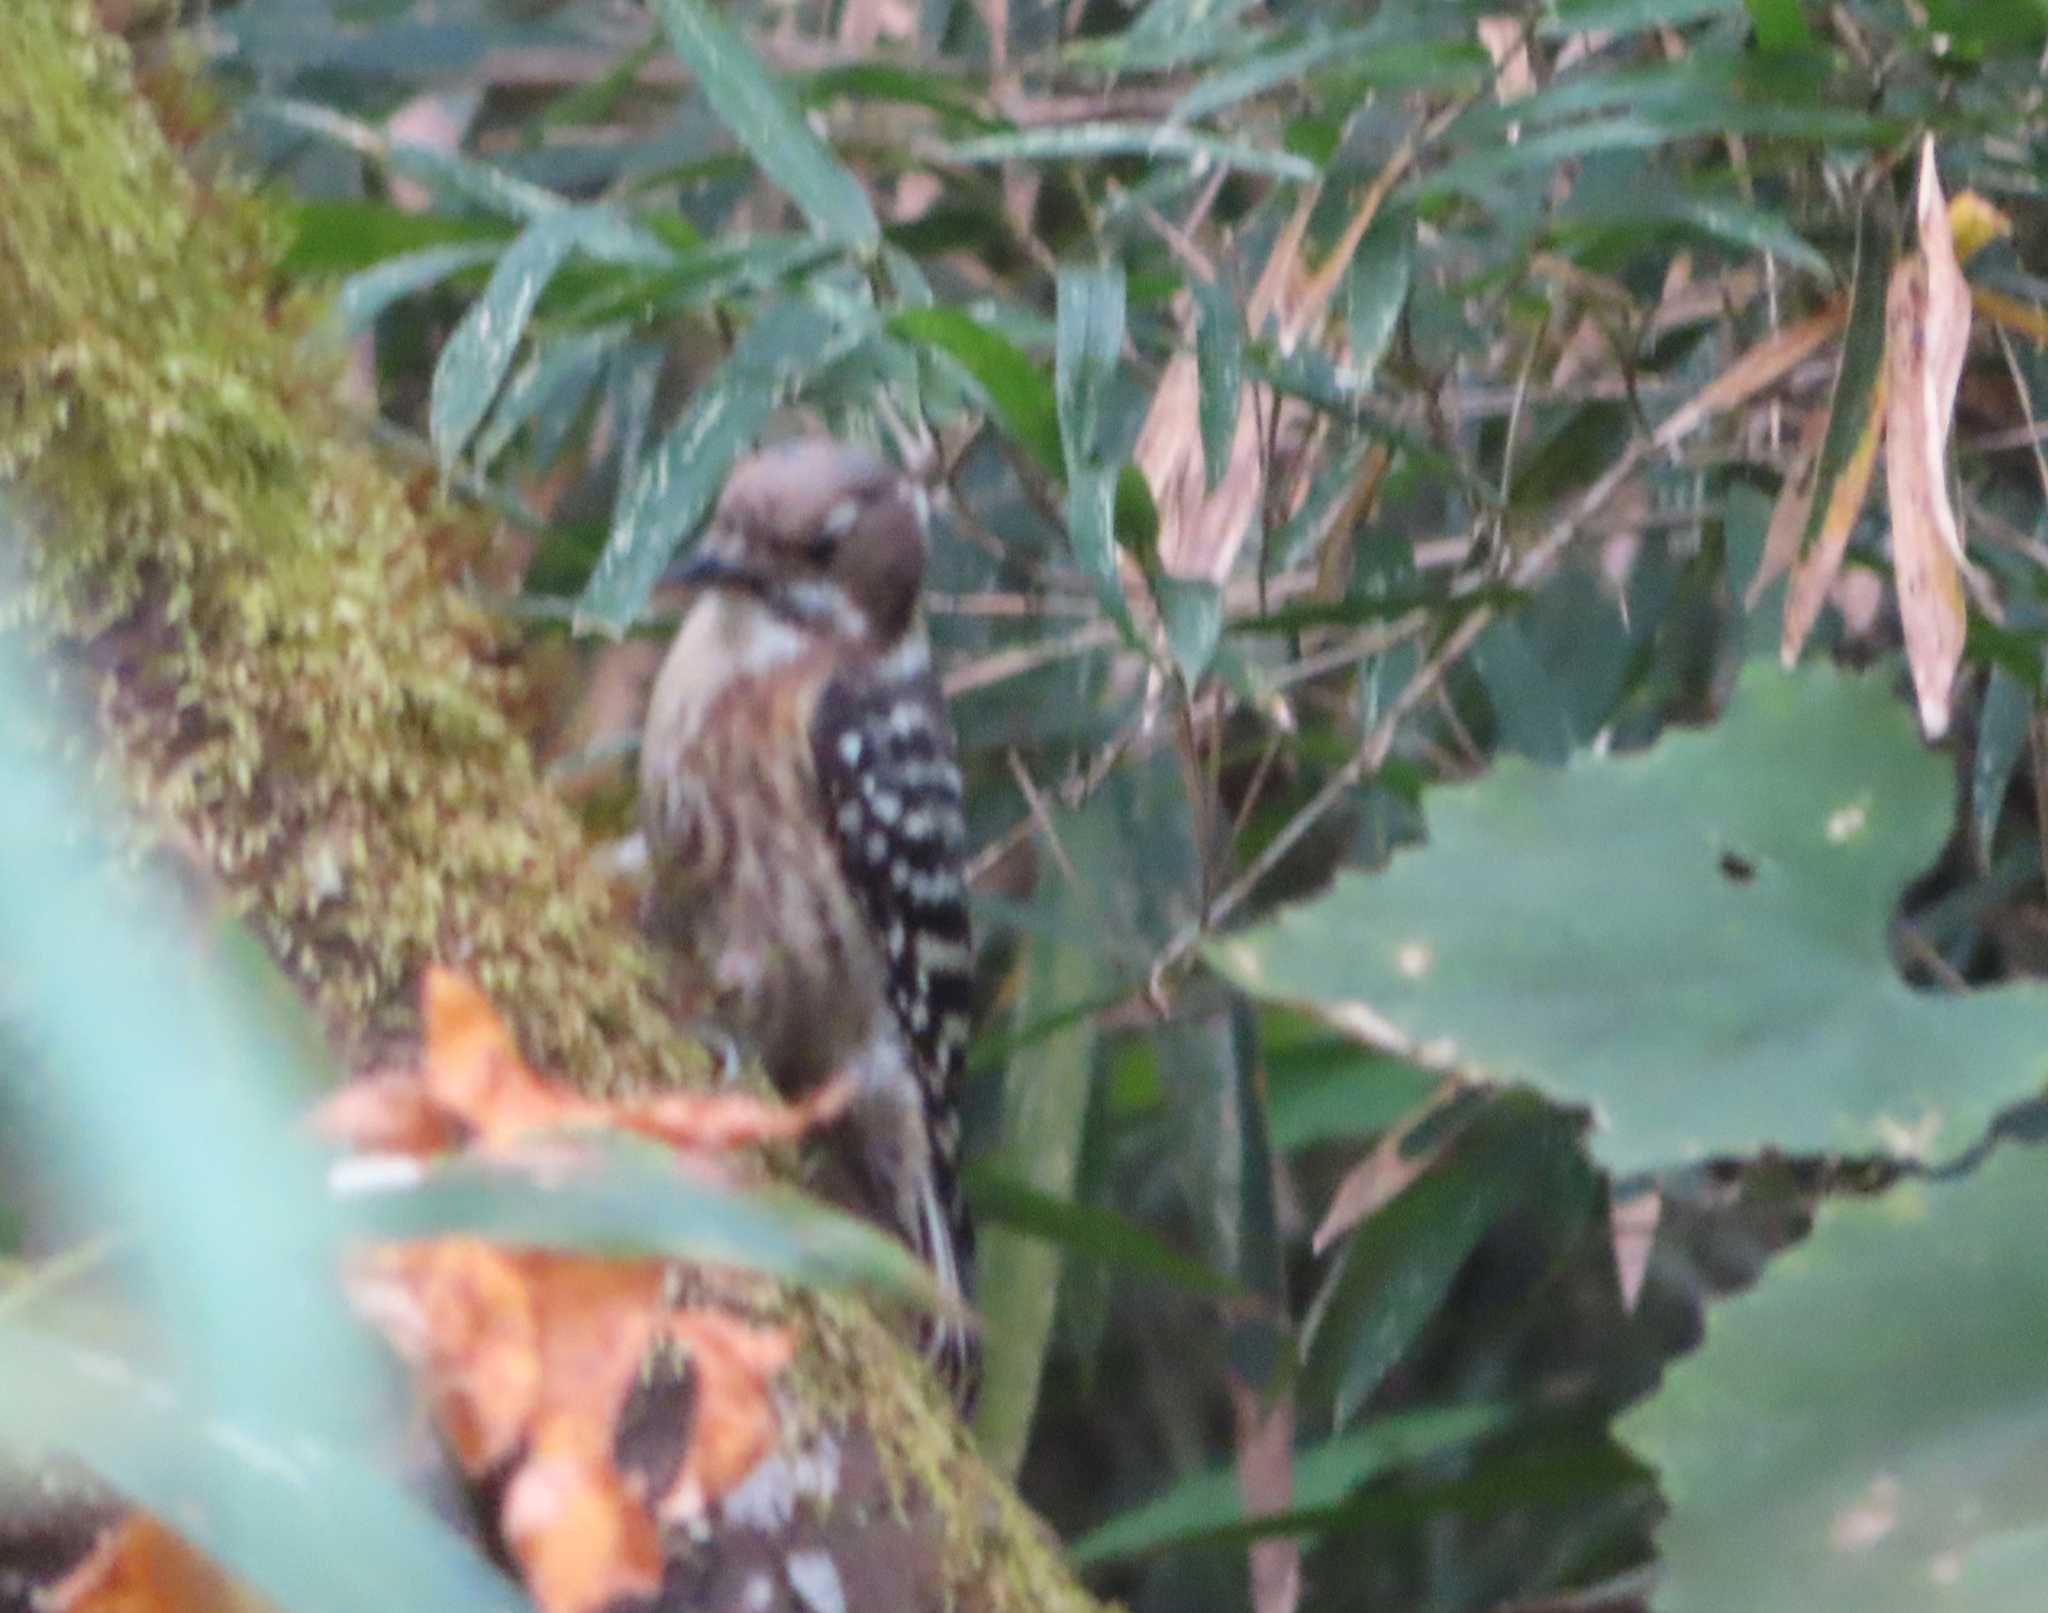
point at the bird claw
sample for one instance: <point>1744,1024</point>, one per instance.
<point>719,1043</point>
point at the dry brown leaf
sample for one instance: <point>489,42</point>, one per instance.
<point>539,1366</point>
<point>1505,37</point>
<point>1384,1172</point>
<point>581,1541</point>
<point>1927,329</point>
<point>471,1085</point>
<point>1815,573</point>
<point>1763,365</point>
<point>139,1566</point>
<point>733,1366</point>
<point>1202,531</point>
<point>461,1315</point>
<point>1795,504</point>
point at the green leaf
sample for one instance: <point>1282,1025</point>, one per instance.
<point>1090,1231</point>
<point>1780,24</point>
<point>1864,1428</point>
<point>308,1527</point>
<point>1211,1503</point>
<point>626,1197</point>
<point>1375,292</point>
<point>350,237</point>
<point>1856,379</point>
<point>1191,610</point>
<point>1219,369</point>
<point>672,490</point>
<point>2001,741</point>
<point>1583,16</point>
<point>1691,941</point>
<point>473,365</point>
<point>364,297</point>
<point>1087,347</point>
<point>762,116</point>
<point>1393,1272</point>
<point>1045,1111</point>
<point>558,374</point>
<point>1017,391</point>
<point>1447,66</point>
<point>1161,142</point>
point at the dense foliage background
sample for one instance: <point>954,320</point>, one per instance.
<point>1431,953</point>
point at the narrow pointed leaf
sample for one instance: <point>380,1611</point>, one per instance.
<point>1219,363</point>
<point>763,117</point>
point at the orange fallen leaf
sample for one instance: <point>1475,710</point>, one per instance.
<point>733,1366</point>
<point>459,1311</point>
<point>602,1406</point>
<point>139,1566</point>
<point>581,1541</point>
<point>1927,330</point>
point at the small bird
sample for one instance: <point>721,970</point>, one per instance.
<point>801,805</point>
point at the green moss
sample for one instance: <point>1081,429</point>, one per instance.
<point>284,676</point>
<point>291,694</point>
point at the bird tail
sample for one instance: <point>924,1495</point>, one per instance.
<point>944,1236</point>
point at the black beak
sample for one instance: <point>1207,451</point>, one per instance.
<point>702,570</point>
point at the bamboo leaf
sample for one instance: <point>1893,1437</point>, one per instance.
<point>752,103</point>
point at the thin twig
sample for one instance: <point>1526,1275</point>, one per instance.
<point>1366,759</point>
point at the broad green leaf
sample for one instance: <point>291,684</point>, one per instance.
<point>1780,24</point>
<point>474,363</point>
<point>363,299</point>
<point>1090,1231</point>
<point>1856,379</point>
<point>1219,370</point>
<point>2001,741</point>
<point>1210,1503</point>
<point>1866,1429</point>
<point>1375,292</point>
<point>1691,941</point>
<point>1018,393</point>
<point>625,1197</point>
<point>753,104</point>
<point>671,491</point>
<point>1161,142</point>
<point>307,1526</point>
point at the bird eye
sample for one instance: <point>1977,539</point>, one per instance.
<point>820,550</point>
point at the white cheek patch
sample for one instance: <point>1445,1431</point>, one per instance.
<point>840,519</point>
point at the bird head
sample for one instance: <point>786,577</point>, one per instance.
<point>824,536</point>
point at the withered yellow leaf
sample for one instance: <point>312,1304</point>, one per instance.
<point>1927,328</point>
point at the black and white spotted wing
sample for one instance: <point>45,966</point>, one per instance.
<point>884,752</point>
